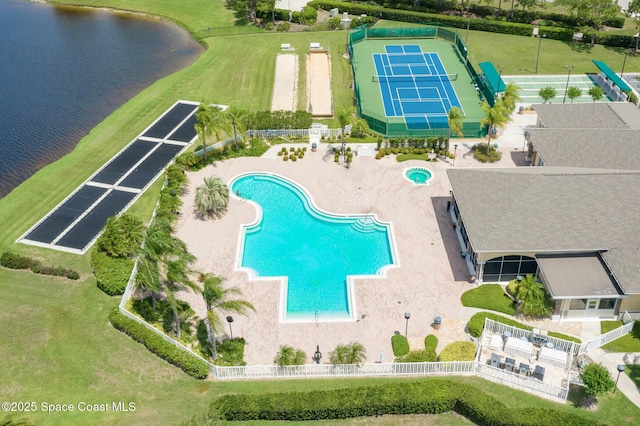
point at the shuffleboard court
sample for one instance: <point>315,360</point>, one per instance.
<point>530,86</point>
<point>77,221</point>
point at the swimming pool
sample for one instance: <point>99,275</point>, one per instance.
<point>316,254</point>
<point>418,175</point>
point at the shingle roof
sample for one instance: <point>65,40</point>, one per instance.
<point>554,209</point>
<point>616,115</point>
<point>607,149</point>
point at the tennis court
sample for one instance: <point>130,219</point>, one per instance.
<point>415,85</point>
<point>530,87</point>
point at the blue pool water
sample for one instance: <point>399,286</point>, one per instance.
<point>314,249</point>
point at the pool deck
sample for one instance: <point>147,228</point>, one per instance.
<point>428,283</point>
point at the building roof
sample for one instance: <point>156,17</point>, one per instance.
<point>610,115</point>
<point>554,210</point>
<point>577,276</point>
<point>607,149</point>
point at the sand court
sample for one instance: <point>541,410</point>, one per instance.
<point>285,83</point>
<point>319,84</point>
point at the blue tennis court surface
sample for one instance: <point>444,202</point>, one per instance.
<point>415,85</point>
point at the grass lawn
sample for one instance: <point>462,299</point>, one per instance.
<point>633,371</point>
<point>58,346</point>
<point>627,343</point>
<point>489,296</point>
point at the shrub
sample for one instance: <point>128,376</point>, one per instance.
<point>283,27</point>
<point>112,273</point>
<point>285,158</point>
<point>476,323</point>
<point>230,352</point>
<point>458,351</point>
<point>15,261</point>
<point>480,153</point>
<point>399,344</point>
<point>419,356</point>
<point>431,342</point>
<point>121,236</point>
<point>512,288</point>
<point>280,153</point>
<point>182,359</point>
<point>597,379</point>
<point>294,158</point>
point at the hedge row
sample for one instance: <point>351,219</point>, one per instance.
<point>112,273</point>
<point>432,396</point>
<point>15,261</point>
<point>400,345</point>
<point>476,324</point>
<point>182,359</point>
<point>554,33</point>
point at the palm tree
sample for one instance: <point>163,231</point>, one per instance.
<point>212,198</point>
<point>233,117</point>
<point>454,120</point>
<point>353,353</point>
<point>204,117</point>
<point>511,96</point>
<point>573,92</point>
<point>345,117</point>
<point>218,300</point>
<point>495,116</point>
<point>289,356</point>
<point>531,295</point>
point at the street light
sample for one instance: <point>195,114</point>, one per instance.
<point>407,315</point>
<point>455,152</point>
<point>230,320</point>
<point>540,37</point>
<point>568,77</point>
<point>620,370</point>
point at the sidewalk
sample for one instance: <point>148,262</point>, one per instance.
<point>611,360</point>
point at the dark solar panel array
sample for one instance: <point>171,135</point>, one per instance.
<point>140,162</point>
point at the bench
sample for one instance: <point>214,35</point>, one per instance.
<point>314,45</point>
<point>285,46</point>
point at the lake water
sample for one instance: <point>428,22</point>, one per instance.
<point>64,70</point>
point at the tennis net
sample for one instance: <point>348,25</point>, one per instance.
<point>415,78</point>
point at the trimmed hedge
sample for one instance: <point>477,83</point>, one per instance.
<point>400,345</point>
<point>458,351</point>
<point>182,359</point>
<point>487,25</point>
<point>112,273</point>
<point>15,261</point>
<point>431,396</point>
<point>476,324</point>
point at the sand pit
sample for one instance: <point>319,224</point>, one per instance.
<point>319,84</point>
<point>285,83</point>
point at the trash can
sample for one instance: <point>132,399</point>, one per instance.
<point>314,146</point>
<point>436,322</point>
<point>520,110</point>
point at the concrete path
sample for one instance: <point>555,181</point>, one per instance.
<point>611,360</point>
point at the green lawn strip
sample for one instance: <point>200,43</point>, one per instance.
<point>476,324</point>
<point>607,326</point>
<point>406,157</point>
<point>489,296</point>
<point>627,343</point>
<point>517,55</point>
<point>633,371</point>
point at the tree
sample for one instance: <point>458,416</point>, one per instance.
<point>574,92</point>
<point>511,96</point>
<point>204,117</point>
<point>547,93</point>
<point>121,236</point>
<point>527,3</point>
<point>289,356</point>
<point>359,127</point>
<point>220,301</point>
<point>597,379</point>
<point>596,93</point>
<point>345,117</point>
<point>231,119</point>
<point>495,116</point>
<point>633,11</point>
<point>592,12</point>
<point>266,7</point>
<point>353,353</point>
<point>212,198</point>
<point>531,296</point>
<point>454,121</point>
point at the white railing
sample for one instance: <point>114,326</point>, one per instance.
<point>603,339</point>
<point>499,328</point>
<point>523,382</point>
<point>626,318</point>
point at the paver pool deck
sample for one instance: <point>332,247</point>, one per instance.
<point>428,283</point>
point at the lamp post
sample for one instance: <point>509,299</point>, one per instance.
<point>466,37</point>
<point>455,152</point>
<point>540,37</point>
<point>569,69</point>
<point>230,320</point>
<point>620,370</point>
<point>407,315</point>
<point>626,52</point>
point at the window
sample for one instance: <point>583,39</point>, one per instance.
<point>578,304</point>
<point>607,303</point>
<point>507,268</point>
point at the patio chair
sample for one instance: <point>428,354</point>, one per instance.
<point>538,373</point>
<point>524,369</point>
<point>509,364</point>
<point>495,360</point>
